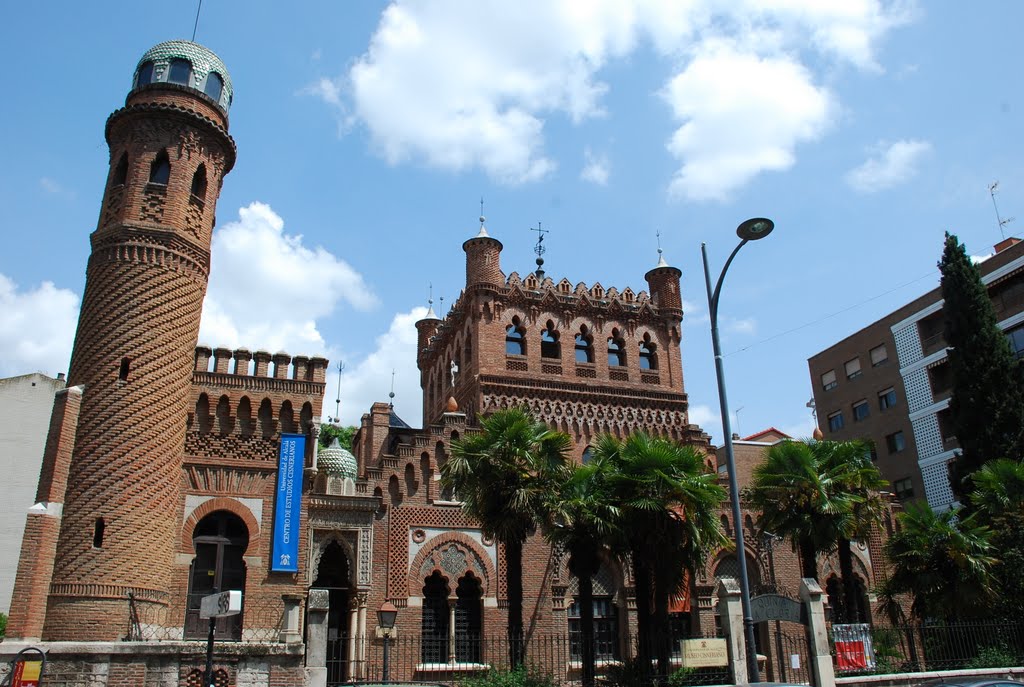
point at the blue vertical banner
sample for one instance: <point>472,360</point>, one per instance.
<point>284,555</point>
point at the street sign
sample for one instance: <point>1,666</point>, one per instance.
<point>221,605</point>
<point>27,668</point>
<point>704,653</point>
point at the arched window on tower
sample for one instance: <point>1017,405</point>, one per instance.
<point>515,339</point>
<point>160,169</point>
<point>220,540</point>
<point>214,86</point>
<point>549,346</point>
<point>584,346</point>
<point>199,183</point>
<point>616,350</point>
<point>121,171</point>
<point>145,74</point>
<point>648,358</point>
<point>180,72</point>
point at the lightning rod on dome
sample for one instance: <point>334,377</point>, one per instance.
<point>483,229</point>
<point>337,401</point>
<point>661,257</point>
<point>539,249</point>
<point>196,24</point>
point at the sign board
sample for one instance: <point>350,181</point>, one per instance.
<point>27,668</point>
<point>777,607</point>
<point>221,605</point>
<point>853,647</point>
<point>704,653</point>
<point>284,555</point>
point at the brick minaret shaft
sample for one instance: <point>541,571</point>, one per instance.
<point>134,355</point>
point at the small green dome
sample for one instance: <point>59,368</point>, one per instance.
<point>205,72</point>
<point>334,460</point>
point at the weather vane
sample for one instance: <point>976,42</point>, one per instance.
<point>539,249</point>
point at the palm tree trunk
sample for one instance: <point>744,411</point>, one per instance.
<point>644,634</point>
<point>808,559</point>
<point>514,565</point>
<point>662,634</point>
<point>586,603</point>
<point>850,614</point>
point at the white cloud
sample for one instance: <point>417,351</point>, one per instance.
<point>267,288</point>
<point>746,325</point>
<point>471,86</point>
<point>55,188</point>
<point>369,379</point>
<point>742,114</point>
<point>37,328</point>
<point>596,168</point>
<point>890,165</point>
<point>709,420</point>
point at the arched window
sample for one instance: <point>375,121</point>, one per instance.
<point>145,75</point>
<point>467,350</point>
<point>180,72</point>
<point>468,619</point>
<point>214,86</point>
<point>585,458</point>
<point>199,183</point>
<point>121,171</point>
<point>549,347</point>
<point>515,341</point>
<point>220,540</point>
<point>648,359</point>
<point>616,350</point>
<point>584,349</point>
<point>160,169</point>
<point>606,617</point>
<point>434,622</point>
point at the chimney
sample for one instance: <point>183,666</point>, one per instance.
<point>1006,243</point>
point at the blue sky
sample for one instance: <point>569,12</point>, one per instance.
<point>368,132</point>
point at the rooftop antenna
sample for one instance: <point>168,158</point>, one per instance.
<point>737,413</point>
<point>196,25</point>
<point>992,188</point>
<point>391,395</point>
<point>539,249</point>
<point>337,401</point>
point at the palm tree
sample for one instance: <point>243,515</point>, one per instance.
<point>943,560</point>
<point>998,501</point>
<point>669,507</point>
<point>502,474</point>
<point>812,492</point>
<point>583,518</point>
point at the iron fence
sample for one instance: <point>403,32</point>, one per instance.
<point>261,620</point>
<point>942,646</point>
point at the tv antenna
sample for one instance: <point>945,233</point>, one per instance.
<point>992,188</point>
<point>539,249</point>
<point>196,25</point>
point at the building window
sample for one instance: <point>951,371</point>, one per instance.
<point>616,350</point>
<point>860,411</point>
<point>549,347</point>
<point>145,75</point>
<point>122,374</point>
<point>160,169</point>
<point>879,355</point>
<point>903,488</point>
<point>852,368</point>
<point>828,380</point>
<point>468,620</point>
<point>945,418</point>
<point>180,72</point>
<point>515,340</point>
<point>214,86</point>
<point>434,621</point>
<point>835,421</point>
<point>940,377</point>
<point>121,171</point>
<point>930,329</point>
<point>648,358</point>
<point>606,629</point>
<point>895,442</point>
<point>1016,338</point>
<point>220,540</point>
<point>584,347</point>
<point>199,183</point>
<point>97,533</point>
<point>886,398</point>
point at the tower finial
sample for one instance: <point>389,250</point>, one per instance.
<point>441,306</point>
<point>539,249</point>
<point>661,257</point>
<point>483,229</point>
<point>430,302</point>
<point>391,394</point>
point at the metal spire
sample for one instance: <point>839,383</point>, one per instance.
<point>539,249</point>
<point>661,258</point>
<point>391,394</point>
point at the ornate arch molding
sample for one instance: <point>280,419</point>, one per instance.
<point>226,503</point>
<point>321,540</point>
<point>452,554</point>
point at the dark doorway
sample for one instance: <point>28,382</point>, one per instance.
<point>220,540</point>
<point>333,575</point>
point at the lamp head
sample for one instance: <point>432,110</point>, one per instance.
<point>754,229</point>
<point>387,614</point>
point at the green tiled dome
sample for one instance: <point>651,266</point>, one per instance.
<point>203,60</point>
<point>334,460</point>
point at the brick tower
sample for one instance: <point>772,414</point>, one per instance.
<point>135,345</point>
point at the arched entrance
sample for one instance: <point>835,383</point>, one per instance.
<point>332,574</point>
<point>220,540</point>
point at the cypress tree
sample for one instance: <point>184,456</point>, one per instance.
<point>987,406</point>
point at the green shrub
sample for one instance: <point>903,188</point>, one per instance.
<point>3,624</point>
<point>997,656</point>
<point>520,677</point>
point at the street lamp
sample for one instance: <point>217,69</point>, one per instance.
<point>386,616</point>
<point>751,230</point>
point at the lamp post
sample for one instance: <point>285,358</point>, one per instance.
<point>751,230</point>
<point>386,616</point>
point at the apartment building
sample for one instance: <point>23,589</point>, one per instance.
<point>890,382</point>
